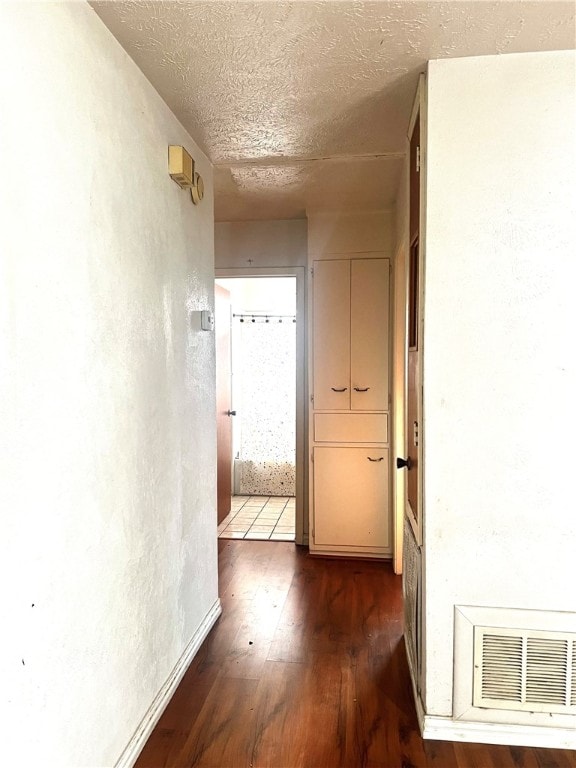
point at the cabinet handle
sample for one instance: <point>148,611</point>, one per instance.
<point>334,389</point>
<point>359,389</point>
<point>371,459</point>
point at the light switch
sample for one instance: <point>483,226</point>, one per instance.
<point>207,320</point>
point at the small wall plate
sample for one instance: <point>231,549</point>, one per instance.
<point>197,189</point>
<point>207,320</point>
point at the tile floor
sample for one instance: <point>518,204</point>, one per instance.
<point>260,517</point>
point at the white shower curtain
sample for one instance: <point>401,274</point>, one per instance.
<point>266,371</point>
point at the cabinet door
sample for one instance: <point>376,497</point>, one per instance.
<point>331,335</point>
<point>351,497</point>
<point>369,334</point>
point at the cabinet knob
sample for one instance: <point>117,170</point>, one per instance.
<point>401,463</point>
<point>230,413</point>
<point>359,389</point>
<point>335,389</point>
<point>380,458</point>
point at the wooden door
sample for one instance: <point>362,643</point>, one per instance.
<point>351,497</point>
<point>331,335</point>
<point>223,401</point>
<point>413,340</point>
<point>369,334</point>
<point>413,424</point>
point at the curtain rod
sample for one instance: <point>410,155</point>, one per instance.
<point>264,317</point>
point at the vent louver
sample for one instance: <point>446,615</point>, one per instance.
<point>546,670</point>
<point>502,668</point>
<point>524,670</point>
<point>411,594</point>
<point>573,694</point>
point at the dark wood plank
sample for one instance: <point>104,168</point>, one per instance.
<point>307,668</point>
<point>555,758</point>
<point>223,732</point>
<point>288,730</point>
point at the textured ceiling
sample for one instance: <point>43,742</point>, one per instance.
<point>271,89</point>
<point>294,188</point>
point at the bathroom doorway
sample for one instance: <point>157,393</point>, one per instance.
<point>265,406</point>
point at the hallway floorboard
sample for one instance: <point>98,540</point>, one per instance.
<point>306,668</point>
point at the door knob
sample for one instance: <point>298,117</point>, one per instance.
<point>230,413</point>
<point>401,463</point>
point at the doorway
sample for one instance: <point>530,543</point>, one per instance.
<point>265,405</point>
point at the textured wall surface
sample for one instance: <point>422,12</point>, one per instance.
<point>107,446</point>
<point>499,360</point>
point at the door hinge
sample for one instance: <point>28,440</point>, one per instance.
<point>311,271</point>
<point>312,457</point>
<point>417,159</point>
<point>311,398</point>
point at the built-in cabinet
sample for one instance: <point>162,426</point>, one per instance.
<point>350,461</point>
<point>350,335</point>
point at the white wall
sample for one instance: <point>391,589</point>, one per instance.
<point>107,453</point>
<point>251,244</point>
<point>499,354</point>
<point>345,232</point>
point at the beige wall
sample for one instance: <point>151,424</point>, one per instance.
<point>252,244</point>
<point>343,232</point>
<point>107,453</point>
<point>499,360</point>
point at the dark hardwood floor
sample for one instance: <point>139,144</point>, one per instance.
<point>306,668</point>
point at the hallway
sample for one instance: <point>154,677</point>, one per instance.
<point>306,668</point>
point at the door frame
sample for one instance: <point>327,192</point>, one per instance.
<point>299,273</point>
<point>419,111</point>
<point>400,337</point>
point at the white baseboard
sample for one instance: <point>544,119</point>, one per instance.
<point>447,729</point>
<point>158,705</point>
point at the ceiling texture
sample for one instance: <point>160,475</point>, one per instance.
<point>305,105</point>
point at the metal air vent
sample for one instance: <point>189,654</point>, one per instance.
<point>527,670</point>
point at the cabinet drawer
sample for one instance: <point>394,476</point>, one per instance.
<point>351,427</point>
